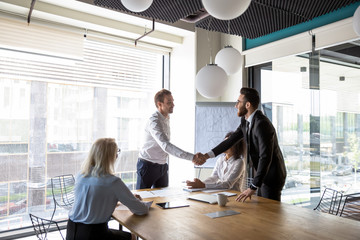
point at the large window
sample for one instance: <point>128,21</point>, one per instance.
<point>314,103</point>
<point>53,108</point>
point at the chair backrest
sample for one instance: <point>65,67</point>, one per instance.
<point>41,226</point>
<point>247,183</point>
<point>330,201</point>
<point>63,190</point>
<point>351,207</point>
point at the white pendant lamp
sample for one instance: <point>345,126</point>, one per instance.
<point>211,81</point>
<point>356,21</point>
<point>226,9</point>
<point>137,5</point>
<point>229,59</point>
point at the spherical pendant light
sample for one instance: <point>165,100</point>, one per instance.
<point>137,5</point>
<point>356,21</point>
<point>211,81</point>
<point>229,59</point>
<point>226,9</point>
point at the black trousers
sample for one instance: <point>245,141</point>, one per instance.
<point>151,174</point>
<point>80,231</point>
<point>270,193</point>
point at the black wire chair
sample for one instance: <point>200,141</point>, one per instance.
<point>247,184</point>
<point>63,191</point>
<point>330,201</point>
<point>351,207</point>
<point>41,226</point>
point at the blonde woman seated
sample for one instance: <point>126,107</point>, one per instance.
<point>229,170</point>
<point>97,192</point>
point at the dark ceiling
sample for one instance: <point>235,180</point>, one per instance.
<point>261,18</point>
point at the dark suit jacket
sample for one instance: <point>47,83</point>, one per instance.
<point>264,151</point>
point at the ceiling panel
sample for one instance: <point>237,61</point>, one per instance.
<point>261,18</point>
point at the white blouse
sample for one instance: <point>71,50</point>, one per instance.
<point>230,174</point>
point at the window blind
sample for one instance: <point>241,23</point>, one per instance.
<point>325,36</point>
<point>107,38</point>
<point>293,45</point>
<point>103,65</point>
<point>335,33</point>
<point>38,38</point>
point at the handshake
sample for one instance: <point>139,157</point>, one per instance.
<point>200,159</point>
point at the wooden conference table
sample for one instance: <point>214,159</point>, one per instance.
<point>259,218</point>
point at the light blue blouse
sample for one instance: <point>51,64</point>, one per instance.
<point>96,199</point>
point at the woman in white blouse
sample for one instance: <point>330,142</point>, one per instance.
<point>97,192</point>
<point>229,171</point>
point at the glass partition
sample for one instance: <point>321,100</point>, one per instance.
<point>317,117</point>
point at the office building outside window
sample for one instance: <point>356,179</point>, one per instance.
<point>51,111</point>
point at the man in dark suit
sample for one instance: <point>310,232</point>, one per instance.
<point>263,148</point>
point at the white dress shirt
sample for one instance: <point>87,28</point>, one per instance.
<point>157,145</point>
<point>228,174</point>
<point>251,117</point>
<point>96,199</point>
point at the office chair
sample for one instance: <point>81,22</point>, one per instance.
<point>41,226</point>
<point>330,202</point>
<point>351,207</point>
<point>63,191</point>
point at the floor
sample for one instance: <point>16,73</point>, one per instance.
<point>51,235</point>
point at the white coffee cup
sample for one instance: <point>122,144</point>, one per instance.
<point>221,199</point>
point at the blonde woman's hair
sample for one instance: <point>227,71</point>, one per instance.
<point>101,158</point>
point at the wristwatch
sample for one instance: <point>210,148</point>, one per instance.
<point>253,187</point>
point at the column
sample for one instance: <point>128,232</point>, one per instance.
<point>99,113</point>
<point>314,86</point>
<point>37,144</point>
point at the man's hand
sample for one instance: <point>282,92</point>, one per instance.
<point>245,194</point>
<point>197,183</point>
<point>199,158</point>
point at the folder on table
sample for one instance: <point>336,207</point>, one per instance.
<point>203,198</point>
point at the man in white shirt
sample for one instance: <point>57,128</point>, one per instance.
<point>152,167</point>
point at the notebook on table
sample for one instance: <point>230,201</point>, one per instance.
<point>193,189</point>
<point>212,199</point>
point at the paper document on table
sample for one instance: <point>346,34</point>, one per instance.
<point>166,192</point>
<point>229,194</point>
<point>221,214</point>
<point>145,194</point>
<point>214,190</point>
